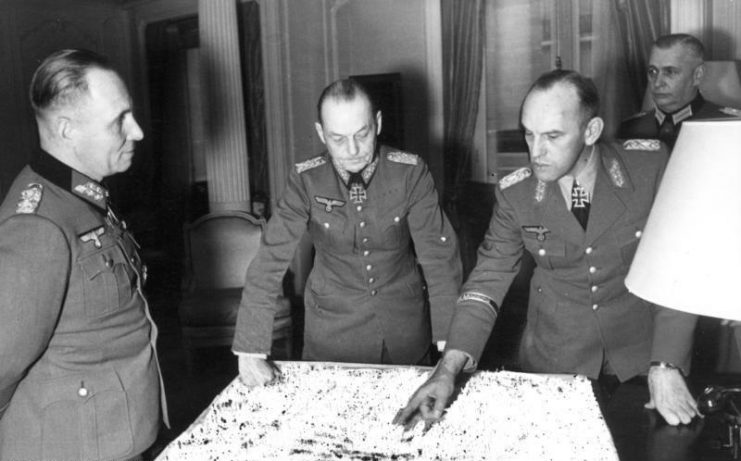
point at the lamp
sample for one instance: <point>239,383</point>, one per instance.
<point>689,257</point>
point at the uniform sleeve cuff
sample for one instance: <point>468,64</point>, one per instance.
<point>254,355</point>
<point>471,363</point>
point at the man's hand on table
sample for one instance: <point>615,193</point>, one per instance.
<point>430,400</point>
<point>670,396</point>
<point>256,371</point>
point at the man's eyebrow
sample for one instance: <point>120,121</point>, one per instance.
<point>669,67</point>
<point>335,134</point>
<point>121,115</point>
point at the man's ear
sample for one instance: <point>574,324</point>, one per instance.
<point>62,127</point>
<point>379,122</point>
<point>593,130</point>
<point>698,74</point>
<point>320,132</point>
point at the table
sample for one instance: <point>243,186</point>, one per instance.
<point>642,435</point>
<point>344,411</point>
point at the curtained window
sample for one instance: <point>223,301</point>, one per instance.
<point>607,40</point>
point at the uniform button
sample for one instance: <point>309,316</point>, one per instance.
<point>369,267</point>
<point>396,219</point>
<point>540,290</point>
<point>109,263</point>
<point>592,270</point>
<point>373,292</point>
<point>366,252</point>
<point>595,307</point>
<point>588,250</point>
<point>365,239</point>
<point>326,225</point>
<point>541,252</point>
<point>594,288</point>
<point>443,239</point>
<point>639,233</point>
<point>359,207</point>
<point>371,280</point>
<point>362,224</point>
<point>82,391</point>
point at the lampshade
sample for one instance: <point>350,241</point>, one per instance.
<point>689,256</point>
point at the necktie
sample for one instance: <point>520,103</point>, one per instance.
<point>668,131</point>
<point>355,178</point>
<point>357,187</point>
<point>580,204</point>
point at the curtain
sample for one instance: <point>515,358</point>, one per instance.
<point>463,56</point>
<point>639,22</point>
<point>254,100</point>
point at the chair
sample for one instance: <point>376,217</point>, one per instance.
<point>218,248</point>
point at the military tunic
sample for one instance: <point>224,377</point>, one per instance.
<point>79,377</point>
<point>647,125</point>
<point>365,291</point>
<point>580,315</point>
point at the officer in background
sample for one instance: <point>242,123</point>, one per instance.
<point>79,377</point>
<point>579,209</point>
<point>675,70</point>
<point>373,214</point>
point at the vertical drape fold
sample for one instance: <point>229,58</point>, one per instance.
<point>463,25</point>
<point>640,22</point>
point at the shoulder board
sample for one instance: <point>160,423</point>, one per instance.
<point>634,116</point>
<point>30,199</point>
<point>515,177</point>
<point>731,111</point>
<point>403,157</point>
<point>309,164</point>
<point>642,144</point>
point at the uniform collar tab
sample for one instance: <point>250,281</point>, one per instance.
<point>71,180</point>
<point>366,173</point>
<point>682,114</point>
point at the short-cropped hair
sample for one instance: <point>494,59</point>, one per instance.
<point>61,78</point>
<point>585,89</point>
<point>689,42</point>
<point>344,90</point>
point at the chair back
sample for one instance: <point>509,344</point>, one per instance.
<point>721,83</point>
<point>220,247</point>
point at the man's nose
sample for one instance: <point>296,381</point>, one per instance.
<point>658,81</point>
<point>134,132</point>
<point>537,148</point>
<point>352,147</point>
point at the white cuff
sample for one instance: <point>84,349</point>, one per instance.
<point>255,355</point>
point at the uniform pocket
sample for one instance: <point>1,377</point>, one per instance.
<point>394,229</point>
<point>548,253</point>
<point>109,281</point>
<point>85,417</point>
<point>330,229</point>
<point>627,241</point>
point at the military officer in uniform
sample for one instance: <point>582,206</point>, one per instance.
<point>579,209</point>
<point>79,377</point>
<point>675,70</point>
<point>373,215</point>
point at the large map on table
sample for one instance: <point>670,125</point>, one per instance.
<point>333,412</point>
